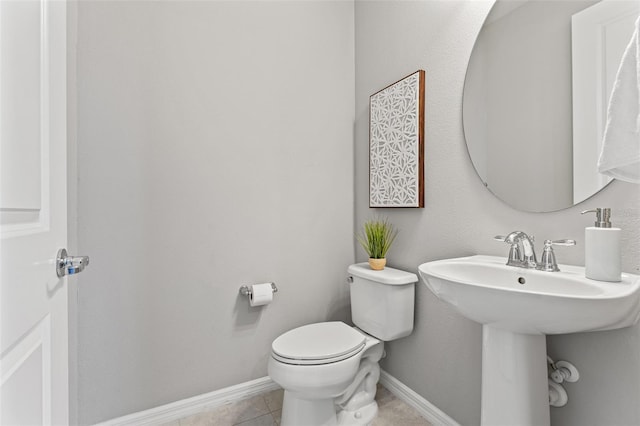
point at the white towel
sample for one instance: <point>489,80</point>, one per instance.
<point>620,155</point>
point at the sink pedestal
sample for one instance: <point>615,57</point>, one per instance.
<point>517,308</point>
<point>515,390</point>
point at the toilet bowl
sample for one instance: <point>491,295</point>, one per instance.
<point>315,364</point>
<point>329,370</point>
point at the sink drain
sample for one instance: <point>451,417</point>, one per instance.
<point>521,280</point>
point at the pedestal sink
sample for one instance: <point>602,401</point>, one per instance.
<point>517,308</point>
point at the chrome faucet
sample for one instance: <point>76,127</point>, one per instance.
<point>523,255</point>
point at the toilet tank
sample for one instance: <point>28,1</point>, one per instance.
<point>382,301</point>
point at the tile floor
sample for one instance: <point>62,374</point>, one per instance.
<point>264,410</point>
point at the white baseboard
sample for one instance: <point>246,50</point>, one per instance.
<point>429,411</point>
<point>187,407</point>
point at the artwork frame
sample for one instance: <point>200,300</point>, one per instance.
<point>396,144</point>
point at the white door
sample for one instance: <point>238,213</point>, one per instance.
<point>33,216</point>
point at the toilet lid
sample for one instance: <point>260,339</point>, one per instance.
<point>319,343</point>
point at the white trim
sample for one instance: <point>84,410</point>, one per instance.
<point>186,407</point>
<point>426,409</point>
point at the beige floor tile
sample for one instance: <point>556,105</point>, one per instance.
<point>274,399</point>
<point>277,416</point>
<point>266,420</point>
<point>206,418</point>
<point>247,409</point>
<point>266,410</point>
<point>219,416</point>
<point>173,423</point>
<point>383,396</point>
<point>230,414</point>
<point>395,412</point>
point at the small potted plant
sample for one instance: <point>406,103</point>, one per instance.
<point>376,238</point>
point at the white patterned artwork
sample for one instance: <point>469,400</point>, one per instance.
<point>396,142</point>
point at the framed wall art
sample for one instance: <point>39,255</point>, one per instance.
<point>396,144</point>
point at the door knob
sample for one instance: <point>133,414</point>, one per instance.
<point>69,265</point>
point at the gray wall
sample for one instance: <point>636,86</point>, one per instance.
<point>215,149</point>
<point>441,359</point>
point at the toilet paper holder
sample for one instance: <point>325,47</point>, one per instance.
<point>245,290</point>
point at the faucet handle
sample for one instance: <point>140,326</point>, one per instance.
<point>560,242</point>
<point>509,238</point>
<point>548,262</point>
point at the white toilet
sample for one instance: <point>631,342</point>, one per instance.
<point>329,370</point>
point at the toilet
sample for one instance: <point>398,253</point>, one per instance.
<point>329,370</point>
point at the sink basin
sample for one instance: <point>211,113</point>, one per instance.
<point>517,308</point>
<point>485,290</point>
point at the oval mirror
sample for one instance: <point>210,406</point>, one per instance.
<point>535,97</point>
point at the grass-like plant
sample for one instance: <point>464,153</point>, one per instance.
<point>376,237</point>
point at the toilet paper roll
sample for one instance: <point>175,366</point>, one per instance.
<point>261,294</point>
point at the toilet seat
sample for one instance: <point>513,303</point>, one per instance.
<point>318,344</point>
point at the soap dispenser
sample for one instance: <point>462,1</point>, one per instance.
<point>602,248</point>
